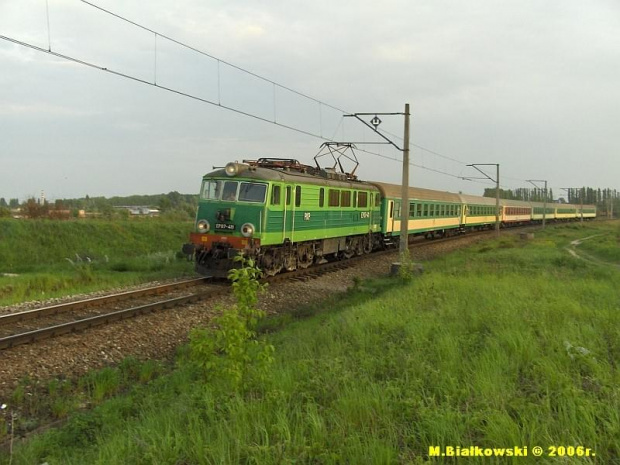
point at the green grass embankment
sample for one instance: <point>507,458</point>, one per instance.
<point>46,258</point>
<point>604,245</point>
<point>510,343</point>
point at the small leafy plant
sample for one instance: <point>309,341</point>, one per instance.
<point>231,351</point>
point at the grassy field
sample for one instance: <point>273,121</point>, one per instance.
<point>47,258</point>
<point>508,344</point>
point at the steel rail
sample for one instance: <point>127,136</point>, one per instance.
<point>79,304</point>
<point>66,328</point>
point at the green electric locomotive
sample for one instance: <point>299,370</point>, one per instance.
<point>282,214</point>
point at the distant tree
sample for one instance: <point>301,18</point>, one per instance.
<point>33,209</point>
<point>165,204</point>
<point>3,203</point>
<point>14,203</point>
<point>5,212</point>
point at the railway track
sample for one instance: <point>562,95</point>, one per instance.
<point>45,322</point>
<point>52,321</point>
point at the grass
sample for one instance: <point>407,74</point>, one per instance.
<point>46,258</point>
<point>510,343</point>
<point>605,247</point>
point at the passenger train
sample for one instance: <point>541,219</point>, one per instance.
<point>286,215</point>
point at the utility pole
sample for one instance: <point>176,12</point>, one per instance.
<point>404,206</point>
<point>496,180</point>
<point>532,181</point>
<point>404,209</point>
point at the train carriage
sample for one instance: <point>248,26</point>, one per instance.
<point>478,212</point>
<point>566,211</point>
<point>538,211</point>
<point>588,211</point>
<point>430,212</point>
<point>515,212</point>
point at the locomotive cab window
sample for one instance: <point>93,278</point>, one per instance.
<point>321,197</point>
<point>211,189</point>
<point>252,192</point>
<point>230,191</point>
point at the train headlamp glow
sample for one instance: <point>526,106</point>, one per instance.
<point>247,230</point>
<point>233,169</point>
<point>203,226</point>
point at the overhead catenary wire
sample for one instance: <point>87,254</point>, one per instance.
<point>219,103</point>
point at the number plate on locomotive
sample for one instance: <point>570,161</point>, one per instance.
<point>225,227</point>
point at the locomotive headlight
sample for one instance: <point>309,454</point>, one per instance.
<point>247,230</point>
<point>203,226</point>
<point>233,169</point>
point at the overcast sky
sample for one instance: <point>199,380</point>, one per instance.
<point>532,85</point>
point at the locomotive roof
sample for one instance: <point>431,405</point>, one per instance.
<point>278,175</point>
<point>394,191</point>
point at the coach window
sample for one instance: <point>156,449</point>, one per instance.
<point>418,207</point>
<point>411,210</point>
<point>362,200</point>
<point>321,197</point>
<point>397,209</point>
<point>275,195</point>
<point>345,198</point>
<point>426,210</point>
<point>334,198</point>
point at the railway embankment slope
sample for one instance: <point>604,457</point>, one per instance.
<point>510,345</point>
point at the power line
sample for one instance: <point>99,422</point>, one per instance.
<point>189,47</point>
<point>49,51</point>
<point>153,84</point>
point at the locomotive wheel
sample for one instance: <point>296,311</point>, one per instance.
<point>367,243</point>
<point>272,262</point>
<point>290,261</point>
<point>305,256</point>
<point>358,245</point>
<point>350,250</point>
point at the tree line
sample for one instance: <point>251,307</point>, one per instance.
<point>172,204</point>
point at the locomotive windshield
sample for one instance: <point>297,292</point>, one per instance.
<point>231,191</point>
<point>252,192</point>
